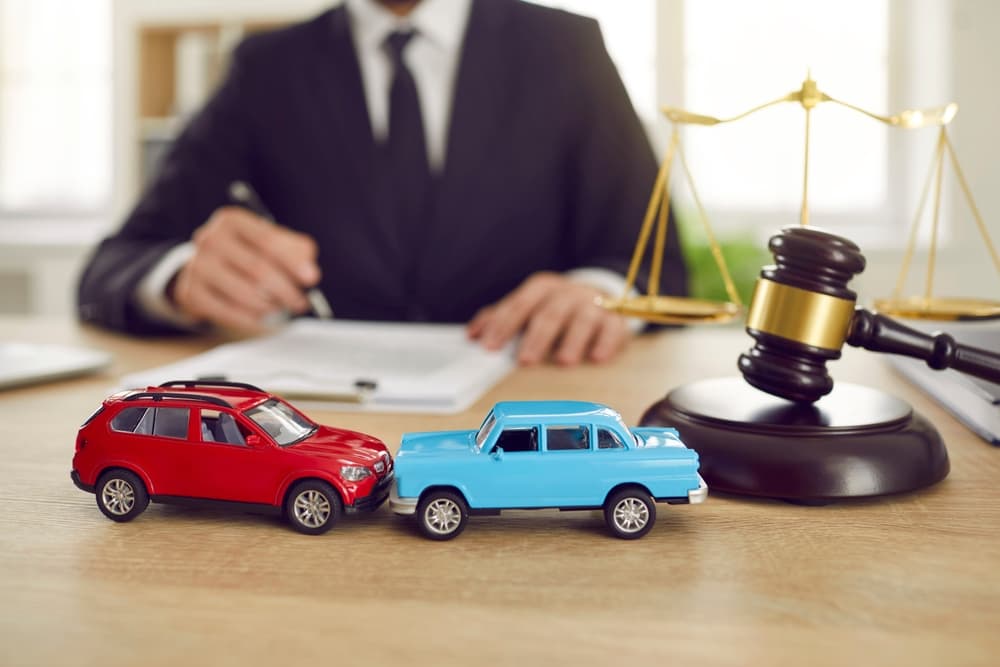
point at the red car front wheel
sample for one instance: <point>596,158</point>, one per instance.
<point>313,507</point>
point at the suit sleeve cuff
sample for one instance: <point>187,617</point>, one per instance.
<point>609,282</point>
<point>151,293</point>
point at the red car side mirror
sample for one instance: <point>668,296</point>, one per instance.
<point>255,441</point>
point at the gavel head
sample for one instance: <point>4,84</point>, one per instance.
<point>800,313</point>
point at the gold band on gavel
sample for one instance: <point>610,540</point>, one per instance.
<point>811,318</point>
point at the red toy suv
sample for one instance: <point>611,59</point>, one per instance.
<point>226,442</point>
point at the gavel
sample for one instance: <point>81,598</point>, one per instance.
<point>802,313</point>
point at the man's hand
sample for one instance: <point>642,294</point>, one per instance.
<point>558,316</point>
<point>244,269</point>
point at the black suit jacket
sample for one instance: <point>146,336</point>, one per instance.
<point>547,168</point>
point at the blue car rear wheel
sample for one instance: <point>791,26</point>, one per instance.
<point>630,513</point>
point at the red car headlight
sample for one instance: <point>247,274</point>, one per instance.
<point>354,473</point>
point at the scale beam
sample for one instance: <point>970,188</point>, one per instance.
<point>664,309</point>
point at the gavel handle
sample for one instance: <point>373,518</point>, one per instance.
<point>882,334</point>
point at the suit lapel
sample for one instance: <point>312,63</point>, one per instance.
<point>477,121</point>
<point>477,116</point>
<point>343,102</point>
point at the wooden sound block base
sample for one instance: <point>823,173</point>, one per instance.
<point>854,442</point>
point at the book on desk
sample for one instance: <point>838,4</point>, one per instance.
<point>973,401</point>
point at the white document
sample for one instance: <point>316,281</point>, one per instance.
<point>385,367</point>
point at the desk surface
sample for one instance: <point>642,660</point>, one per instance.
<point>910,579</point>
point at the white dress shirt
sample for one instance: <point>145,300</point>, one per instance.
<point>433,56</point>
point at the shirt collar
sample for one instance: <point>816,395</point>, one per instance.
<point>440,21</point>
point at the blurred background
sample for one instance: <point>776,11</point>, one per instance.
<point>92,92</point>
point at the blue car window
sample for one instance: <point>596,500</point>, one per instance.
<point>518,440</point>
<point>607,439</point>
<point>567,438</point>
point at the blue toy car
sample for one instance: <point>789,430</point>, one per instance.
<point>544,454</point>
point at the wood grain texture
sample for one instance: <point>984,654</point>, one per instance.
<point>913,579</point>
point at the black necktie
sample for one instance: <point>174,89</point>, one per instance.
<point>406,152</point>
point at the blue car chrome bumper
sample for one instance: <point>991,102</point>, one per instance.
<point>700,494</point>
<point>402,505</point>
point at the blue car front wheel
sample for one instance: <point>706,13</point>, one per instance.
<point>442,514</point>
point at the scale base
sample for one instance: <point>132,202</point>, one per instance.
<point>855,442</point>
<point>673,309</point>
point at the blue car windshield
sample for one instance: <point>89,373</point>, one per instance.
<point>485,430</point>
<point>281,422</point>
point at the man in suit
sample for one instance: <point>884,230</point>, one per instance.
<point>425,160</point>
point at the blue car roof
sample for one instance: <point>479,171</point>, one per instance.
<point>579,410</point>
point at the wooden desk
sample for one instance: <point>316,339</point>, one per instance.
<point>908,580</point>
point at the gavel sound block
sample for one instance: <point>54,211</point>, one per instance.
<point>787,431</point>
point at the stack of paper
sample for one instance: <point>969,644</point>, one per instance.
<point>26,363</point>
<point>357,365</point>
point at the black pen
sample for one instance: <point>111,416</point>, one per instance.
<point>241,193</point>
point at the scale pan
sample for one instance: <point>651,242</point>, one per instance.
<point>673,309</point>
<point>935,308</point>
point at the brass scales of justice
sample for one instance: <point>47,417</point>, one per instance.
<point>783,430</point>
<point>654,307</point>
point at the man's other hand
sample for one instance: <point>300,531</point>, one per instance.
<point>244,270</point>
<point>558,317</point>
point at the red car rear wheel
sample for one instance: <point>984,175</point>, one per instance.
<point>121,495</point>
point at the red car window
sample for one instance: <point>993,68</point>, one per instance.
<point>127,420</point>
<point>163,422</point>
<point>218,426</point>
